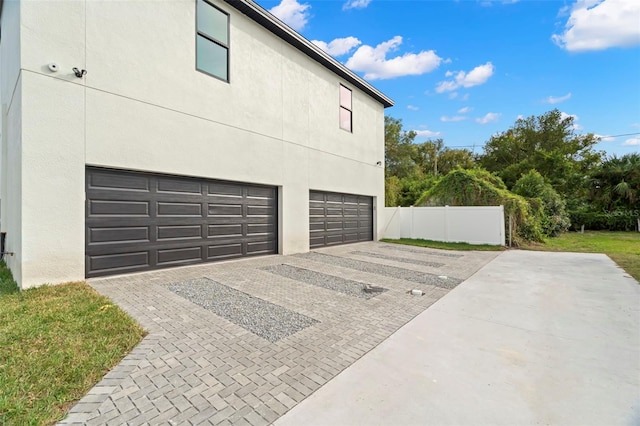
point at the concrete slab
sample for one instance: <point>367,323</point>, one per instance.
<point>532,338</point>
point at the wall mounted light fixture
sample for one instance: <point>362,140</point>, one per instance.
<point>79,73</point>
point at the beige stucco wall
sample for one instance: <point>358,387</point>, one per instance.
<point>143,106</point>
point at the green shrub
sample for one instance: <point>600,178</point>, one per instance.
<point>478,187</point>
<point>549,206</point>
<point>616,220</point>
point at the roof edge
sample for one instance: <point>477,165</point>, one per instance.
<point>279,28</point>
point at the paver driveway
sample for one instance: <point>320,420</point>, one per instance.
<point>198,367</point>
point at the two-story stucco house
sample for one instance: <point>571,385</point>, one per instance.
<point>190,131</point>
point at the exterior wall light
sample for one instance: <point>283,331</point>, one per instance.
<point>79,73</point>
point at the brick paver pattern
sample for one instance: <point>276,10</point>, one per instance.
<point>195,367</point>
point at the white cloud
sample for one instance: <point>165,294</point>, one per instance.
<point>292,13</point>
<point>338,46</point>
<point>412,107</point>
<point>520,117</point>
<point>427,133</point>
<point>576,126</point>
<point>478,75</point>
<point>601,24</point>
<point>557,99</point>
<point>465,110</point>
<point>490,117</point>
<point>453,95</point>
<point>465,98</point>
<point>635,125</point>
<point>356,4</point>
<point>631,142</point>
<point>375,65</point>
<point>452,119</point>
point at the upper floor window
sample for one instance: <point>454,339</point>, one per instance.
<point>212,40</point>
<point>345,109</point>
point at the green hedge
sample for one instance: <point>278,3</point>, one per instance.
<point>618,220</point>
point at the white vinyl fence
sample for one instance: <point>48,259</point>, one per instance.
<point>473,225</point>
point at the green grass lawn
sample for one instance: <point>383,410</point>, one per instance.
<point>444,246</point>
<point>56,342</point>
<point>622,247</point>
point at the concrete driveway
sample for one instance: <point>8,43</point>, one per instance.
<point>547,338</point>
<point>533,338</point>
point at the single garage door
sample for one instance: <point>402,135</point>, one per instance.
<point>139,221</point>
<point>339,218</point>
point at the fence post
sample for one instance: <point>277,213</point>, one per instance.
<point>412,234</point>
<point>510,231</point>
<point>503,241</point>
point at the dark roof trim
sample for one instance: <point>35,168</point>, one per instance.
<point>277,27</point>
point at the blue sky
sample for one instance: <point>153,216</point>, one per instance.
<point>465,70</point>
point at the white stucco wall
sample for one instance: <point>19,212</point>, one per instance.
<point>143,106</point>
<point>11,98</point>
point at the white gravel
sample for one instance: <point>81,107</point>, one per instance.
<point>398,259</point>
<point>388,271</point>
<point>265,319</point>
<point>330,282</point>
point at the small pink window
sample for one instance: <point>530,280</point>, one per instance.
<point>345,109</point>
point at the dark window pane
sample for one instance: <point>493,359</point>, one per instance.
<point>212,22</point>
<point>211,58</point>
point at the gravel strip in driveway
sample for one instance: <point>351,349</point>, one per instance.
<point>398,259</point>
<point>330,282</point>
<point>386,270</point>
<point>267,320</point>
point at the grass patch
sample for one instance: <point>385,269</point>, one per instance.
<point>7,284</point>
<point>444,246</point>
<point>56,342</point>
<point>622,247</point>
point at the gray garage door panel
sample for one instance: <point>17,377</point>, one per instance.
<point>339,218</point>
<point>138,221</point>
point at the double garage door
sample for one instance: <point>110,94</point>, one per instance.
<point>336,218</point>
<point>141,221</point>
<point>138,221</point>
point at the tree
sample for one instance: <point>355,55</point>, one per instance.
<point>399,149</point>
<point>433,158</point>
<point>427,154</point>
<point>615,185</point>
<point>392,187</point>
<point>451,159</point>
<point>548,144</point>
<point>411,168</point>
<point>543,198</point>
<point>477,187</point>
